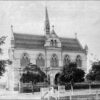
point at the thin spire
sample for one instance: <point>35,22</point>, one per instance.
<point>76,35</point>
<point>12,36</point>
<point>46,14</point>
<point>86,49</point>
<point>47,24</point>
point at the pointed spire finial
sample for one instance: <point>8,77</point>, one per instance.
<point>47,24</point>
<point>12,37</point>
<point>86,48</point>
<point>53,31</point>
<point>46,13</point>
<point>76,35</point>
<point>52,27</point>
<point>12,28</point>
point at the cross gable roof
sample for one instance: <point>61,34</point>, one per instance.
<point>37,42</point>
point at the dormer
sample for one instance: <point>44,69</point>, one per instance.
<point>53,40</point>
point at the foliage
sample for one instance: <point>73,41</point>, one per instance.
<point>83,85</point>
<point>2,62</point>
<point>71,74</point>
<point>2,67</point>
<point>94,73</point>
<point>2,41</point>
<point>90,76</point>
<point>33,73</point>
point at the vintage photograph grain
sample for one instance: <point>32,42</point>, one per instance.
<point>49,50</point>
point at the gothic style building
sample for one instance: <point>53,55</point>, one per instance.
<point>48,51</point>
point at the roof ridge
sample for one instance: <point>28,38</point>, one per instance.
<point>28,34</point>
<point>66,38</point>
<point>79,43</point>
<point>24,41</point>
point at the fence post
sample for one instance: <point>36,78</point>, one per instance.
<point>70,95</point>
<point>90,87</point>
<point>58,94</point>
<point>97,95</point>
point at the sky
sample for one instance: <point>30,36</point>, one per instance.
<point>68,18</point>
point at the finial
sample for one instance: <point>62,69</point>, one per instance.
<point>53,31</point>
<point>12,36</point>
<point>86,49</point>
<point>52,27</point>
<point>47,24</point>
<point>12,28</point>
<point>76,35</point>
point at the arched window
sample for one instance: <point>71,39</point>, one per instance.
<point>55,43</point>
<point>66,60</point>
<point>54,61</point>
<point>51,43</point>
<point>24,60</point>
<point>40,62</point>
<point>79,61</point>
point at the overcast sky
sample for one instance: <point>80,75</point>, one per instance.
<point>68,17</point>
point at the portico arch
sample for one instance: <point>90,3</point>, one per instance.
<point>57,78</point>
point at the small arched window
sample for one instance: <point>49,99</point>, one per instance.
<point>55,42</point>
<point>24,61</point>
<point>79,61</point>
<point>54,61</point>
<point>40,62</point>
<point>51,43</point>
<point>66,60</point>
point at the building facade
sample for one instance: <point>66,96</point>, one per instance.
<point>49,51</point>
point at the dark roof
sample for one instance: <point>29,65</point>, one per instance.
<point>71,44</point>
<point>37,42</point>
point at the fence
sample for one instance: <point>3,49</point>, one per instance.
<point>76,95</point>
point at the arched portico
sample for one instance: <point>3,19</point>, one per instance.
<point>57,78</point>
<point>53,74</point>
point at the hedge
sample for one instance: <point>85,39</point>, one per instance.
<point>67,87</point>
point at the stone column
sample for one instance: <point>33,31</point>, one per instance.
<point>11,79</point>
<point>52,77</point>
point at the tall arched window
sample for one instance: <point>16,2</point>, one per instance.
<point>24,60</point>
<point>79,61</point>
<point>54,61</point>
<point>66,60</point>
<point>40,62</point>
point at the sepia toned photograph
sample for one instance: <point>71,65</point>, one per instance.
<point>49,50</point>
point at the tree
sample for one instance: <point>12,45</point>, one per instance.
<point>2,67</point>
<point>32,73</point>
<point>94,73</point>
<point>2,41</point>
<point>2,62</point>
<point>71,74</point>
